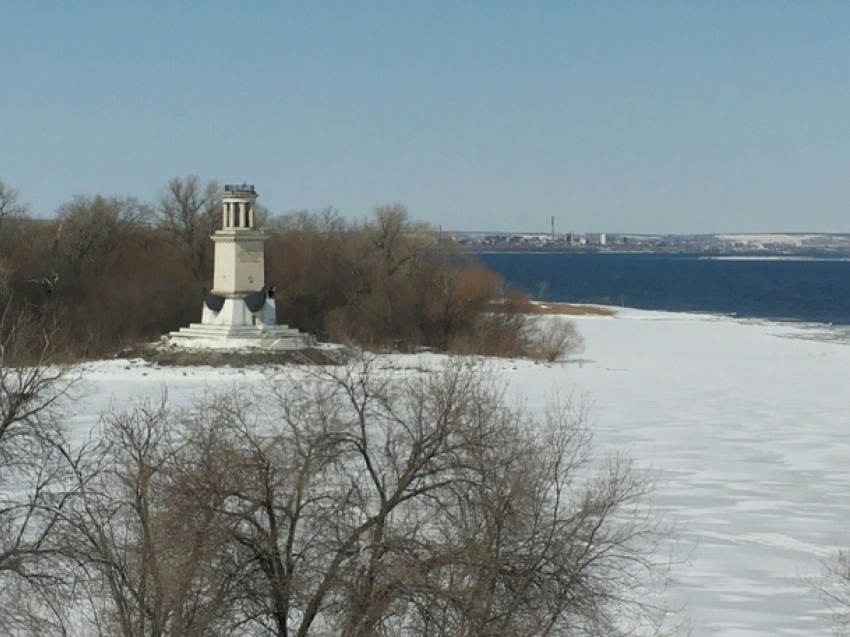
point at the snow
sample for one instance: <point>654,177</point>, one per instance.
<point>792,239</point>
<point>745,424</point>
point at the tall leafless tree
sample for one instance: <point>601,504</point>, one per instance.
<point>151,560</point>
<point>190,211</point>
<point>358,500</point>
<point>10,205</point>
<point>11,208</point>
<point>833,587</point>
<point>94,231</point>
<point>33,476</point>
<point>361,501</point>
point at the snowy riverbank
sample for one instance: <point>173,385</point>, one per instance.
<point>746,424</point>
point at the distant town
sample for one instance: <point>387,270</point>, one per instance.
<point>790,244</point>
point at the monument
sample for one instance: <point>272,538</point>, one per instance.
<point>239,312</point>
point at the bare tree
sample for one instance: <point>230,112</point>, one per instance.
<point>33,476</point>
<point>94,230</point>
<point>361,501</point>
<point>387,233</point>
<point>10,209</point>
<point>388,256</point>
<point>190,211</point>
<point>460,297</point>
<point>10,206</point>
<point>551,338</point>
<point>833,587</point>
<point>151,559</point>
<point>365,503</point>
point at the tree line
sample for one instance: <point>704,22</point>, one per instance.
<point>109,272</point>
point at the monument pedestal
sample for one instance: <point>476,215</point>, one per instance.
<point>223,337</point>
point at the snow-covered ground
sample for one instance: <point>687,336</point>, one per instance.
<point>747,425</point>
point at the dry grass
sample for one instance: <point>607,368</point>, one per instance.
<point>565,309</point>
<point>177,356</point>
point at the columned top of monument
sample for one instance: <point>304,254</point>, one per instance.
<point>238,207</point>
<point>244,189</point>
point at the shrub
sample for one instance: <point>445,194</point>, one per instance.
<point>552,338</point>
<point>389,284</point>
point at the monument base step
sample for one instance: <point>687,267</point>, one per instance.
<point>236,337</point>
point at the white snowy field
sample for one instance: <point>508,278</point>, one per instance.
<point>745,423</point>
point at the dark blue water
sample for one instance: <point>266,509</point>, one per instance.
<point>810,291</point>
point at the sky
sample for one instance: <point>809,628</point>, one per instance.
<point>610,116</point>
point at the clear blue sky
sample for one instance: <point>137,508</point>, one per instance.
<point>617,116</point>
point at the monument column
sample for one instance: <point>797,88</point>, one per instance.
<point>239,264</point>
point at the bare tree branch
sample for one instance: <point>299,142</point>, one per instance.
<point>190,211</point>
<point>33,477</point>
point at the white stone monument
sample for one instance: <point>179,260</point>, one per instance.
<point>239,312</point>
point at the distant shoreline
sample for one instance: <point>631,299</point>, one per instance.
<point>801,255</point>
<point>571,309</point>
